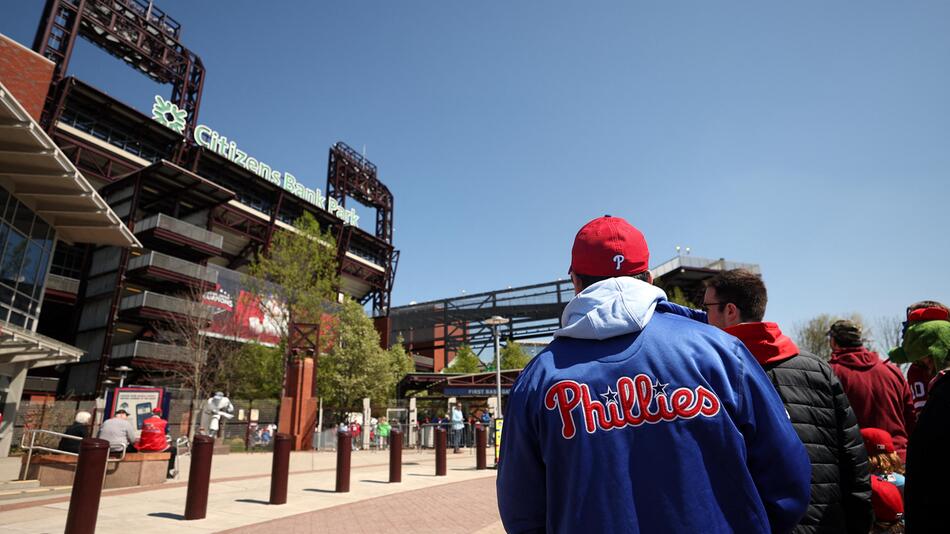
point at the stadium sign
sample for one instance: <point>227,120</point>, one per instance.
<point>171,116</point>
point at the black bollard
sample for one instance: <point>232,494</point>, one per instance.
<point>395,456</point>
<point>279,469</point>
<point>343,444</point>
<point>199,477</point>
<point>87,486</point>
<point>481,443</point>
<point>440,452</point>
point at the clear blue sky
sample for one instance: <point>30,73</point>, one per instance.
<point>809,137</point>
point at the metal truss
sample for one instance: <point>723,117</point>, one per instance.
<point>134,31</point>
<point>534,311</point>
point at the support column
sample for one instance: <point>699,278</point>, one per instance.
<point>11,403</point>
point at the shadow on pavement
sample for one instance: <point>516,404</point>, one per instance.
<point>376,481</point>
<point>167,515</point>
<point>319,490</point>
<point>252,501</point>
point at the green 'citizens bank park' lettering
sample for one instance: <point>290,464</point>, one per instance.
<point>168,114</point>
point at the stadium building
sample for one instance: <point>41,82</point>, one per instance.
<point>194,206</point>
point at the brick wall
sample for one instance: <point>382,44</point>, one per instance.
<point>25,74</point>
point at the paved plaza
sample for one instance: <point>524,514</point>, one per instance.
<point>462,501</point>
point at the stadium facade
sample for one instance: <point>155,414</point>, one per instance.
<point>199,204</point>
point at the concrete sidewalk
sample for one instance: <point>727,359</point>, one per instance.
<point>240,488</point>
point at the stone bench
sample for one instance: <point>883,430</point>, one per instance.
<point>136,469</point>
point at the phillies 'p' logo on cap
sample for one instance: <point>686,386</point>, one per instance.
<point>609,246</point>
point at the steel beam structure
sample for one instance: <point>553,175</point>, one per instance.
<point>134,31</point>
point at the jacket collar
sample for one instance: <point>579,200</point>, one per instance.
<point>765,341</point>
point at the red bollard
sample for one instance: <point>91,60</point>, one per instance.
<point>481,443</point>
<point>87,486</point>
<point>440,452</point>
<point>279,469</point>
<point>395,456</point>
<point>199,477</point>
<point>343,444</point>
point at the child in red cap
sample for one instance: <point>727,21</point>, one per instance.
<point>882,457</point>
<point>888,507</point>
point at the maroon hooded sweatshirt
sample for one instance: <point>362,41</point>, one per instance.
<point>877,391</point>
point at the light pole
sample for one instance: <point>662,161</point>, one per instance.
<point>494,321</point>
<point>123,372</point>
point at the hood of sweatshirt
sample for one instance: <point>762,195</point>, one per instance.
<point>765,341</point>
<point>610,308</point>
<point>858,358</point>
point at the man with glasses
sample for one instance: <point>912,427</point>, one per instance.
<point>814,400</point>
<point>638,419</point>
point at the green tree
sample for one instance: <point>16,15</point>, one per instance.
<point>300,269</point>
<point>812,335</point>
<point>400,364</point>
<point>257,371</point>
<point>677,296</point>
<point>513,356</point>
<point>465,361</point>
<point>356,367</point>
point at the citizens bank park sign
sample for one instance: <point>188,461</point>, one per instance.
<point>173,117</point>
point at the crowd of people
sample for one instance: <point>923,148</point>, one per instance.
<point>123,436</point>
<point>646,416</point>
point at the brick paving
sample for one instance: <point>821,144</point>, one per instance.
<point>456,508</point>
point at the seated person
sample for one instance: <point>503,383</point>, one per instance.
<point>154,438</point>
<point>80,429</point>
<point>119,432</point>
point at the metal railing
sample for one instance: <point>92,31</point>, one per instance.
<point>32,433</point>
<point>171,263</point>
<point>167,222</point>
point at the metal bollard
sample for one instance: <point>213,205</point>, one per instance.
<point>343,443</point>
<point>279,469</point>
<point>87,486</point>
<point>440,452</point>
<point>481,443</point>
<point>395,456</point>
<point>199,476</point>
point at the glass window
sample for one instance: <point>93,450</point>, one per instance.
<point>4,196</point>
<point>23,220</point>
<point>21,303</point>
<point>31,265</point>
<point>41,232</point>
<point>13,254</point>
<point>18,319</point>
<point>43,267</point>
<point>6,297</point>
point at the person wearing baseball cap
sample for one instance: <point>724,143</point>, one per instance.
<point>888,507</point>
<point>154,438</point>
<point>882,456</point>
<point>118,431</point>
<point>637,419</point>
<point>877,390</point>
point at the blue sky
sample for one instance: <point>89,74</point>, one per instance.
<point>808,137</point>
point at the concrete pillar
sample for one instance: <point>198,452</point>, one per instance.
<point>16,378</point>
<point>413,421</point>
<point>367,415</point>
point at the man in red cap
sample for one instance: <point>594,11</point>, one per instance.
<point>638,419</point>
<point>154,438</point>
<point>813,397</point>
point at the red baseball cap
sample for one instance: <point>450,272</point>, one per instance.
<point>886,500</point>
<point>609,246</point>
<point>877,441</point>
<point>157,411</point>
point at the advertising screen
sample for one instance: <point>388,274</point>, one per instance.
<point>242,315</point>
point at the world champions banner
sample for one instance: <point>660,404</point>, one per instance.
<point>241,314</point>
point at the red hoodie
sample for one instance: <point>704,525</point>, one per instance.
<point>877,391</point>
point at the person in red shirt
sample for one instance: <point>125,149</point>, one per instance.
<point>877,391</point>
<point>153,438</point>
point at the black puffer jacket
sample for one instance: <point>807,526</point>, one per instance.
<point>822,416</point>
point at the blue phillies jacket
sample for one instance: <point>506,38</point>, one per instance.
<point>637,419</point>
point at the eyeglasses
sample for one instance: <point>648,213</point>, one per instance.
<point>706,305</point>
